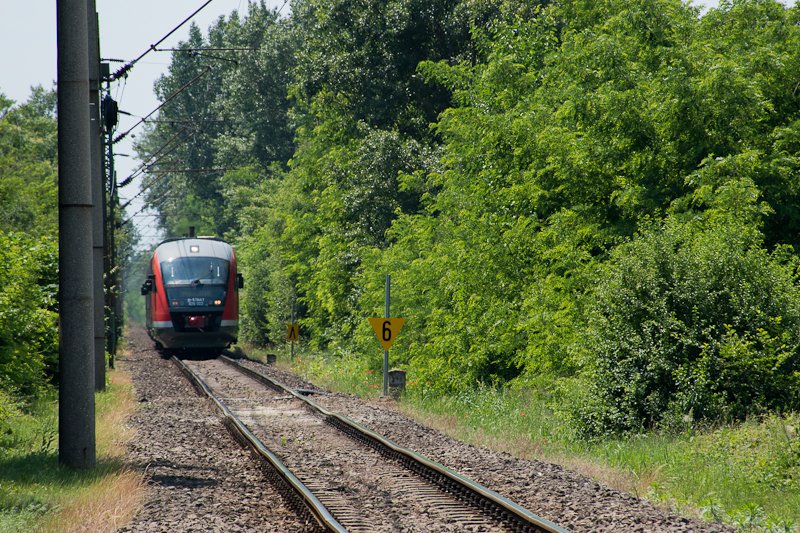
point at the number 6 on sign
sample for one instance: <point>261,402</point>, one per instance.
<point>387,329</point>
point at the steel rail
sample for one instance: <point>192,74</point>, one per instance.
<point>519,518</point>
<point>299,496</point>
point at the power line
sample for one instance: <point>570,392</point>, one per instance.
<point>210,56</point>
<point>284,5</point>
<point>165,102</point>
<point>162,174</point>
<point>124,70</point>
<point>144,189</point>
<point>195,50</point>
<point>191,170</point>
<point>165,172</point>
<point>156,204</point>
<point>157,155</point>
<point>144,208</point>
<point>192,121</point>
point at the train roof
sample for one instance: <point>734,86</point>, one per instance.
<point>194,246</point>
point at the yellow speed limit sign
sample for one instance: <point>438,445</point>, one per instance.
<point>387,329</point>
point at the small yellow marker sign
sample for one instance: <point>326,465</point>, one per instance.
<point>292,332</point>
<point>387,329</point>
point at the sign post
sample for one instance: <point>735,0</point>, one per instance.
<point>387,329</point>
<point>386,349</point>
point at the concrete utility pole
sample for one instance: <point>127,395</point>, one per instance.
<point>76,425</point>
<point>98,190</point>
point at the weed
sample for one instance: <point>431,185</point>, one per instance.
<point>746,474</point>
<point>36,493</point>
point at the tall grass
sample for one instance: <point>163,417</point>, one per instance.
<point>340,371</point>
<point>39,494</point>
<point>747,475</point>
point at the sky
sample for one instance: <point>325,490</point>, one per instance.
<point>127,28</point>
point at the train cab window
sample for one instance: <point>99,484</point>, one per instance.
<point>194,271</point>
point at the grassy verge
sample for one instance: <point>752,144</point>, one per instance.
<point>747,475</point>
<point>38,494</point>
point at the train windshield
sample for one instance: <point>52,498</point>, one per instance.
<point>194,271</point>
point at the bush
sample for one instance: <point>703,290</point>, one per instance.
<point>28,314</point>
<point>694,320</point>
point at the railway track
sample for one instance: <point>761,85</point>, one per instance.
<point>343,475</point>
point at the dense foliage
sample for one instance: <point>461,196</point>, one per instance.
<point>28,250</point>
<point>28,192</point>
<point>603,193</point>
<point>29,319</point>
<point>694,319</point>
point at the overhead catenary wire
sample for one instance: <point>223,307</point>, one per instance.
<point>163,174</point>
<point>128,66</point>
<point>158,178</point>
<point>157,204</point>
<point>282,6</point>
<point>150,220</point>
<point>176,121</point>
<point>147,164</point>
<point>197,52</point>
<point>157,155</point>
<point>143,190</point>
<point>209,170</point>
<point>218,58</point>
<point>165,102</point>
<point>145,208</point>
<point>160,174</point>
<point>205,49</point>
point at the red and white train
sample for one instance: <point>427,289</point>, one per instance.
<point>192,295</point>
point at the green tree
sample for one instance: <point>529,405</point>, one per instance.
<point>535,176</point>
<point>694,320</point>
<point>28,164</point>
<point>363,55</point>
<point>362,117</point>
<point>28,279</point>
<point>226,109</point>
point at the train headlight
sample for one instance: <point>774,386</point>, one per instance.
<point>217,302</point>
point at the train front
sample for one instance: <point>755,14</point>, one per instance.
<point>191,295</point>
